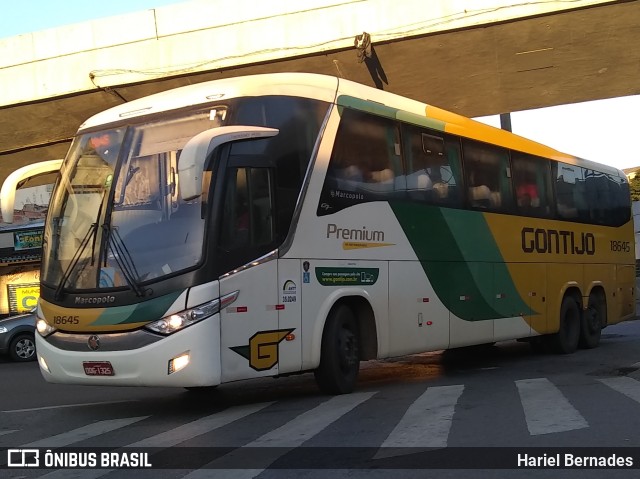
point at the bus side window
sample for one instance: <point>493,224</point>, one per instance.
<point>568,178</point>
<point>375,152</point>
<point>365,163</point>
<point>452,171</point>
<point>590,196</point>
<point>618,212</point>
<point>424,155</point>
<point>488,178</point>
<point>247,218</point>
<point>602,197</point>
<point>532,183</point>
<point>432,165</point>
<point>261,204</point>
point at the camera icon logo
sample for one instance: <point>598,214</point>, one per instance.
<point>23,458</point>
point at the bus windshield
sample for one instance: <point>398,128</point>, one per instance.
<point>116,218</point>
<point>119,217</point>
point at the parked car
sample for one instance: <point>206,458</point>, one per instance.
<point>17,337</point>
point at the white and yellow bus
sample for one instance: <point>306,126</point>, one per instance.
<point>275,224</point>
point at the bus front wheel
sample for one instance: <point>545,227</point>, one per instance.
<point>565,341</point>
<point>339,353</point>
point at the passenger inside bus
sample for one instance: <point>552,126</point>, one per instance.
<point>480,194</point>
<point>425,182</point>
<point>527,194</point>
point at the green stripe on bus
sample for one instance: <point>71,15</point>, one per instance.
<point>420,120</point>
<point>368,106</point>
<point>379,109</point>
<point>144,312</point>
<point>481,249</point>
<point>462,261</point>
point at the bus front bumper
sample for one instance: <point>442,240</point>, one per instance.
<point>198,346</point>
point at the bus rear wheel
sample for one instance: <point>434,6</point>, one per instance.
<point>565,341</point>
<point>339,353</point>
<point>593,319</point>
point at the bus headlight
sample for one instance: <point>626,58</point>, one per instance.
<point>178,321</point>
<point>43,328</point>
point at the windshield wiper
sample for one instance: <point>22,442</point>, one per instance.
<point>122,257</point>
<point>131,172</point>
<point>89,236</point>
<point>91,233</point>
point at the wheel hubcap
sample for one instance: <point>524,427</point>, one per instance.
<point>25,348</point>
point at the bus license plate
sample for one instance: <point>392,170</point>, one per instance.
<point>98,368</point>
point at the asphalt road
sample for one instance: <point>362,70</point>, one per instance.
<point>427,415</point>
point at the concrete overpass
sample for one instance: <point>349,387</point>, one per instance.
<point>475,57</point>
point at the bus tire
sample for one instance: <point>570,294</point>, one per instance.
<point>592,320</point>
<point>339,353</point>
<point>565,341</point>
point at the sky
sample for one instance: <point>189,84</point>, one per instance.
<point>606,131</point>
<point>25,16</point>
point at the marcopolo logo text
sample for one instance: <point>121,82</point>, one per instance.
<point>95,300</point>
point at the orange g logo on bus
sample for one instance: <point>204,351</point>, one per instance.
<point>262,350</point>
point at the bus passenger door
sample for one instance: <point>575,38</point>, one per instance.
<point>249,327</point>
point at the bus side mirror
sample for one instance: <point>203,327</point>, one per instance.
<point>13,181</point>
<point>195,152</point>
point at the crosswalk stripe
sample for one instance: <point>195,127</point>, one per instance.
<point>546,409</point>
<point>81,433</point>
<point>288,436</point>
<point>63,406</point>
<point>425,424</point>
<point>310,423</point>
<point>625,385</point>
<point>169,438</point>
<point>200,426</point>
<point>84,432</point>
